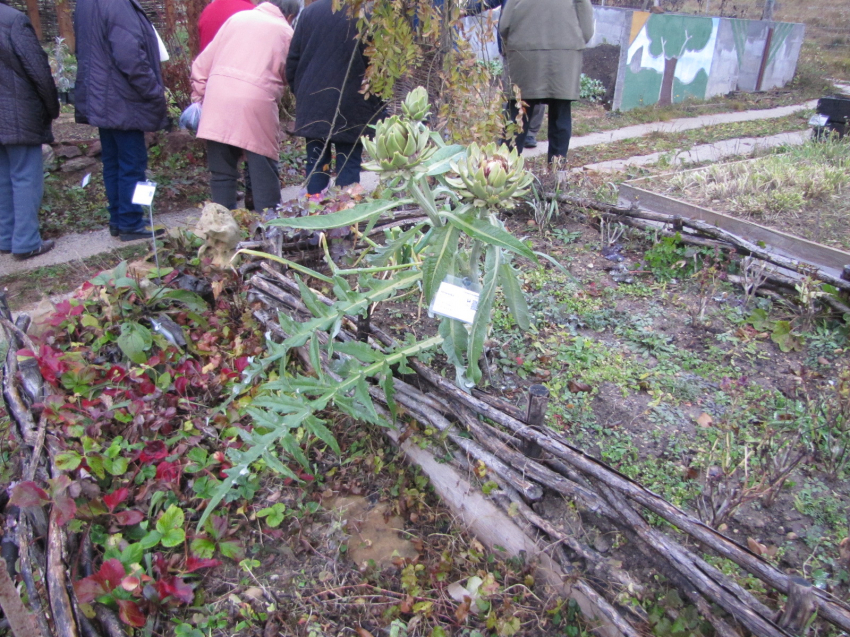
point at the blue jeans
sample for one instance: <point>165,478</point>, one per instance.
<point>21,189</point>
<point>125,159</point>
<point>348,159</point>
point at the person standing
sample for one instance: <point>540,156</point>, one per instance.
<point>543,42</point>
<point>325,69</point>
<point>120,90</point>
<point>28,105</point>
<point>215,14</point>
<point>240,89</point>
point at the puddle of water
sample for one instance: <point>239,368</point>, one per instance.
<point>374,534</point>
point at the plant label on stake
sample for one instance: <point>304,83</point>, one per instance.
<point>455,302</point>
<point>143,194</point>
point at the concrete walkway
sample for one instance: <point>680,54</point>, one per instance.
<point>743,146</point>
<point>78,246</point>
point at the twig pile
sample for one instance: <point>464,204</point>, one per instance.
<point>499,437</point>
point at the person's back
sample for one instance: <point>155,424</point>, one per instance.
<point>215,14</point>
<point>239,88</point>
<point>119,83</point>
<point>325,69</point>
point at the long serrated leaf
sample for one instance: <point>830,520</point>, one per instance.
<point>441,161</point>
<point>514,296</point>
<point>557,264</point>
<point>361,351</point>
<point>490,234</point>
<point>361,393</point>
<point>317,427</point>
<point>315,356</point>
<point>481,323</point>
<point>358,213</point>
<point>246,459</point>
<point>392,251</point>
<point>389,390</point>
<point>456,340</point>
<point>311,300</point>
<point>440,259</point>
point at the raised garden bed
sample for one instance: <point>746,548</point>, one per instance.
<point>795,201</point>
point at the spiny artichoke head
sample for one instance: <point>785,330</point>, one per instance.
<point>398,145</point>
<point>415,106</point>
<point>491,176</point>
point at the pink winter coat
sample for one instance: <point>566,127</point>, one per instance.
<point>240,78</point>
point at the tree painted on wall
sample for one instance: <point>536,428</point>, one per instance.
<point>672,36</point>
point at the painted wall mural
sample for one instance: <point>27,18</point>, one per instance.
<point>668,58</point>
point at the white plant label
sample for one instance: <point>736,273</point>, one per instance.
<point>143,194</point>
<point>86,180</point>
<point>455,302</point>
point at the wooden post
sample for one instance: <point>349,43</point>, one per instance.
<point>34,16</point>
<point>799,608</point>
<point>678,223</point>
<point>535,414</point>
<point>845,273</point>
<point>65,23</point>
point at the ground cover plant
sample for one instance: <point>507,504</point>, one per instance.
<point>801,190</point>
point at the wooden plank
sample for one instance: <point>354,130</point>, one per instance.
<point>830,259</point>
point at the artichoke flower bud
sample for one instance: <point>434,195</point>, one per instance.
<point>415,106</point>
<point>491,176</point>
<point>398,145</point>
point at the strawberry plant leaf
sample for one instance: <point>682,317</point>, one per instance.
<point>130,614</point>
<point>112,500</point>
<point>129,517</point>
<point>170,526</point>
<point>68,460</point>
<point>28,494</point>
<point>203,547</point>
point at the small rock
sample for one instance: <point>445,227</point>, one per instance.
<point>68,152</point>
<point>94,148</point>
<point>792,536</point>
<point>48,158</point>
<point>77,164</point>
<point>601,544</point>
<point>254,592</point>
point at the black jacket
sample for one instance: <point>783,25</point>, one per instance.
<point>319,56</point>
<point>28,100</point>
<point>119,82</point>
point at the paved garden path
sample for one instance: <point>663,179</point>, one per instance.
<point>74,247</point>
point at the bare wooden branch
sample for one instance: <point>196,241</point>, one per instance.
<point>60,603</point>
<point>22,622</point>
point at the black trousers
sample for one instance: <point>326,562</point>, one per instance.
<point>223,161</point>
<point>348,159</point>
<point>560,124</point>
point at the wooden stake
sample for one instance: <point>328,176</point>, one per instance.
<point>535,414</point>
<point>800,607</point>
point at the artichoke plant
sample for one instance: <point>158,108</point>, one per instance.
<point>398,144</point>
<point>491,176</point>
<point>415,106</point>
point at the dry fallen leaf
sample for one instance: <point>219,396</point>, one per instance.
<point>704,420</point>
<point>844,551</point>
<point>756,547</point>
<point>576,386</point>
<point>362,632</point>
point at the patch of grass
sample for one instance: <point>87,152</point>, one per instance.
<point>668,142</point>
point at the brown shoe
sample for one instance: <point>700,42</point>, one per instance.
<point>45,247</point>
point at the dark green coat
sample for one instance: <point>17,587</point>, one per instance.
<point>542,41</point>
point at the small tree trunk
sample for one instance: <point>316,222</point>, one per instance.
<point>34,16</point>
<point>665,97</point>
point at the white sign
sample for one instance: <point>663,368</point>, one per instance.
<point>455,302</point>
<point>86,180</point>
<point>143,194</point>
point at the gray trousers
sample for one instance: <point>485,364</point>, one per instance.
<point>21,189</point>
<point>535,120</point>
<point>223,161</point>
